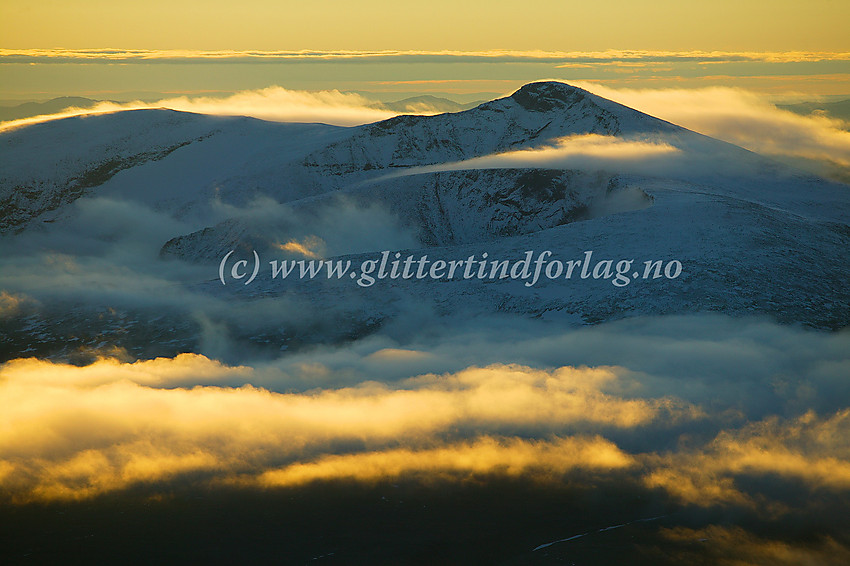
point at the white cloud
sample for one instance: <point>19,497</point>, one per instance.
<point>584,151</point>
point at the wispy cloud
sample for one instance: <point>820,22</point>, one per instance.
<point>272,103</point>
<point>585,151</point>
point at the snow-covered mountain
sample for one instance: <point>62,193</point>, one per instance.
<point>752,236</point>
<point>46,166</point>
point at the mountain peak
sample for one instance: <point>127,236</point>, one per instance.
<point>545,96</point>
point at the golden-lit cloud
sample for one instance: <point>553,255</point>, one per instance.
<point>511,457</point>
<point>809,449</point>
<point>69,432</point>
<point>283,105</point>
<point>310,247</point>
<point>11,303</point>
<point>160,372</point>
<point>72,432</point>
<point>734,546</point>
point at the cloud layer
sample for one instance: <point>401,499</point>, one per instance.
<point>704,433</point>
<point>502,55</point>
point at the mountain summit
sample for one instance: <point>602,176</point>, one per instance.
<point>548,95</point>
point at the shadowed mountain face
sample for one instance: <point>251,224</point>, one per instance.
<point>547,168</point>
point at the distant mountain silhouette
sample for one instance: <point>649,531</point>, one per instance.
<point>839,109</point>
<point>29,109</point>
<point>427,102</point>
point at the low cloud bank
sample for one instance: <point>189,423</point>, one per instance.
<point>694,406</point>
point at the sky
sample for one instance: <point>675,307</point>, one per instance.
<point>471,50</point>
<point>550,25</point>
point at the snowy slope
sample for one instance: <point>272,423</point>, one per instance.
<point>46,166</point>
